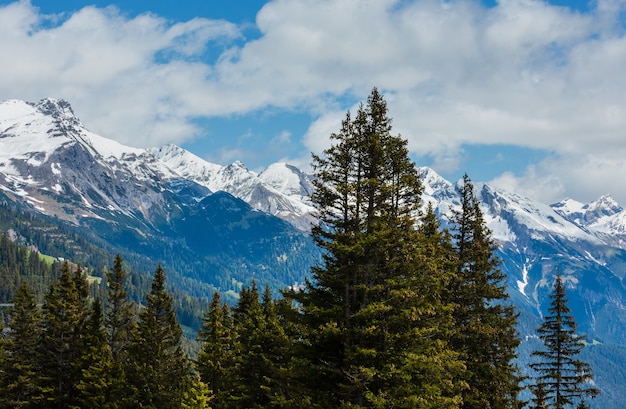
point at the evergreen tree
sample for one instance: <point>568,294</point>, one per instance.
<point>20,377</point>
<point>562,377</point>
<point>119,324</point>
<point>278,353</point>
<point>367,312</point>
<point>262,370</point>
<point>197,395</point>
<point>486,335</point>
<point>219,354</point>
<point>93,388</point>
<point>251,369</point>
<point>160,368</point>
<point>64,318</point>
<point>119,317</point>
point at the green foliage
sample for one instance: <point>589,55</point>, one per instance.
<point>59,355</point>
<point>562,379</point>
<point>119,325</point>
<point>399,312</point>
<point>159,369</point>
<point>219,354</point>
<point>375,320</point>
<point>96,376</point>
<point>20,375</point>
<point>486,336</point>
<point>247,356</point>
<point>19,264</point>
<point>64,324</point>
<point>197,395</point>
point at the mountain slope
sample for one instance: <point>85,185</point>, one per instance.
<point>281,189</point>
<point>145,201</point>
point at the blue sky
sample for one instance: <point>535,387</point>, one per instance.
<point>528,95</point>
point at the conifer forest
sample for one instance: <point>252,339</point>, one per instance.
<point>398,313</point>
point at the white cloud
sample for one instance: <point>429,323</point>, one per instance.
<point>584,177</point>
<point>135,79</point>
<point>455,72</point>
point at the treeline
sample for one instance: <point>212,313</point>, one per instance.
<point>27,240</point>
<point>67,353</point>
<point>19,264</point>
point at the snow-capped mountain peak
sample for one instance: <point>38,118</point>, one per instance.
<point>588,214</point>
<point>604,206</point>
<point>59,109</point>
<point>287,179</point>
<point>281,190</point>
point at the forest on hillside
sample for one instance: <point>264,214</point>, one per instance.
<point>399,313</point>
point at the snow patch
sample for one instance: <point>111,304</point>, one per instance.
<point>521,285</point>
<point>56,168</point>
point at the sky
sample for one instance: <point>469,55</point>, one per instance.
<point>528,95</point>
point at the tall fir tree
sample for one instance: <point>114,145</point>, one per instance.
<point>219,353</point>
<point>160,372</point>
<point>119,325</point>
<point>262,371</point>
<point>119,317</point>
<point>486,336</point>
<point>368,197</point>
<point>93,387</point>
<point>562,379</point>
<point>20,378</point>
<point>64,317</point>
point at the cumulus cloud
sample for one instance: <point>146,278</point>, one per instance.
<point>523,72</point>
<point>136,79</point>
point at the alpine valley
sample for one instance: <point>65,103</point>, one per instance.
<point>216,227</point>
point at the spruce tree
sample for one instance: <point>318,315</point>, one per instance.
<point>561,378</point>
<point>20,378</point>
<point>219,353</point>
<point>160,370</point>
<point>93,388</point>
<point>119,325</point>
<point>64,317</point>
<point>278,352</point>
<point>486,336</point>
<point>119,316</point>
<point>197,395</point>
<point>262,372</point>
<point>367,312</point>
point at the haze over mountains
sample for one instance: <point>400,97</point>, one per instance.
<point>221,226</point>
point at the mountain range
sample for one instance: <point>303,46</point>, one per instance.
<point>218,227</point>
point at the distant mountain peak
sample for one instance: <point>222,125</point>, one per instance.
<point>605,204</point>
<point>287,179</point>
<point>56,107</point>
<point>590,213</point>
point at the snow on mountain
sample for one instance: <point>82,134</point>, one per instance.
<point>31,134</point>
<point>506,214</point>
<point>185,164</point>
<point>438,192</point>
<point>590,213</point>
<point>280,190</point>
<point>539,219</point>
<point>288,180</point>
<point>37,130</point>
<point>603,217</point>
